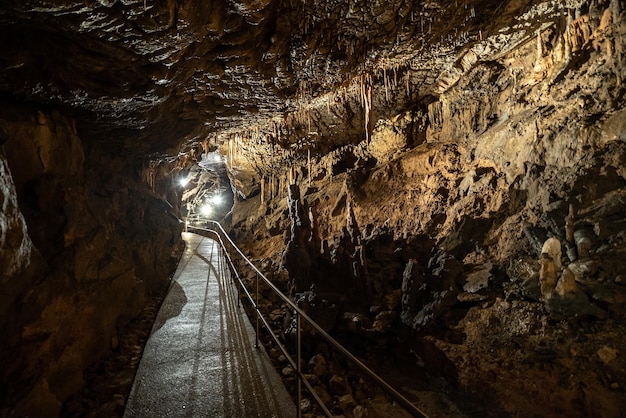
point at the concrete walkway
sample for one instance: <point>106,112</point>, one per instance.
<point>200,359</point>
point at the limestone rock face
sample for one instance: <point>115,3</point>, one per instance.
<point>483,169</point>
<point>18,257</point>
<point>101,246</point>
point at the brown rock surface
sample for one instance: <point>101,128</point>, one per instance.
<point>509,140</point>
<point>106,246</point>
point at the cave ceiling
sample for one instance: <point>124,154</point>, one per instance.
<point>152,77</point>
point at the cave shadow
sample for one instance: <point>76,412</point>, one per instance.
<point>171,307</point>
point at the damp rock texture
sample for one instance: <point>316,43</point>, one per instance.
<point>396,166</point>
<point>82,254</point>
<point>455,190</point>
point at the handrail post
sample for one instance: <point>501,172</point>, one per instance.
<point>220,263</point>
<point>220,271</point>
<point>238,293</point>
<point>299,365</point>
<point>258,311</point>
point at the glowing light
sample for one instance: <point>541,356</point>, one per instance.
<point>183,181</point>
<point>206,210</point>
<point>209,159</point>
<point>217,199</point>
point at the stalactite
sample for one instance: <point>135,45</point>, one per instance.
<point>308,154</point>
<point>366,99</point>
<point>567,38</point>
<point>539,46</point>
<point>407,82</point>
<point>238,139</point>
<point>230,151</point>
<point>352,225</point>
<point>314,237</point>
<point>386,84</point>
<point>262,190</point>
<point>292,175</point>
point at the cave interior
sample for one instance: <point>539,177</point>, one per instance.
<point>440,184</point>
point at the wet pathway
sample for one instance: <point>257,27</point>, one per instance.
<point>200,359</point>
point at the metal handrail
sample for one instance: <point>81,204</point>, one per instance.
<point>300,314</point>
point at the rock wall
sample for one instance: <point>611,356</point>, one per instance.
<point>85,245</point>
<point>431,222</point>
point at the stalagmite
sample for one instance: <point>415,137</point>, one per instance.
<point>547,274</point>
<point>566,284</point>
<point>552,247</point>
<point>550,265</point>
<point>569,224</point>
<point>583,246</point>
<point>583,240</point>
